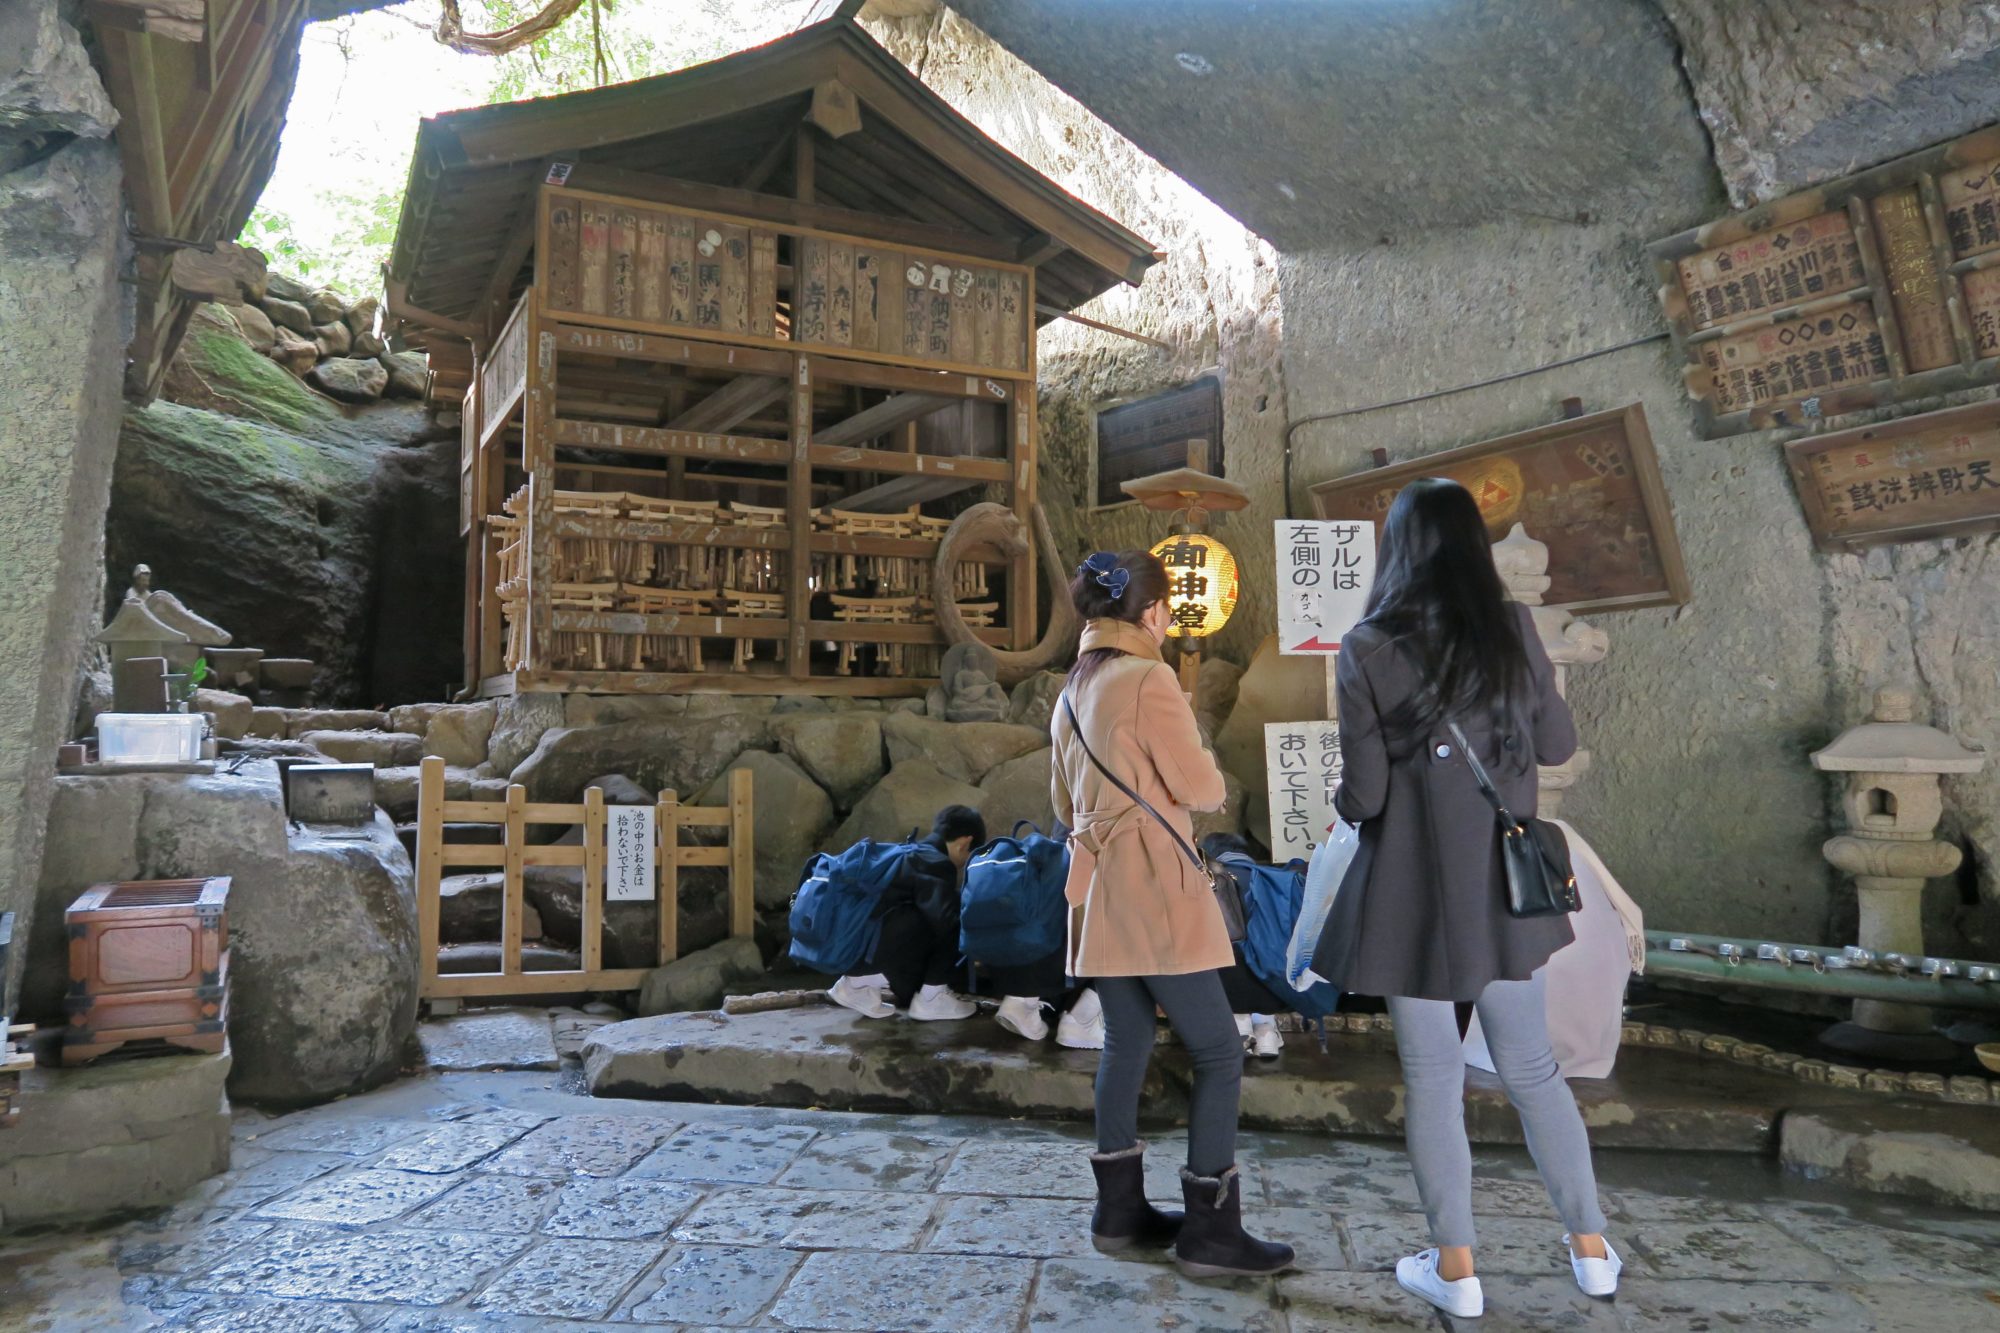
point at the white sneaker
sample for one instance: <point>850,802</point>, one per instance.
<point>1243,1029</point>
<point>853,993</point>
<point>875,979</point>
<point>1418,1275</point>
<point>1082,1028</point>
<point>1265,1039</point>
<point>1596,1277</point>
<point>934,1004</point>
<point>1022,1016</point>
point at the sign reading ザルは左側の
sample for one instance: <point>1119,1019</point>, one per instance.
<point>1302,762</point>
<point>1324,572</point>
<point>628,853</point>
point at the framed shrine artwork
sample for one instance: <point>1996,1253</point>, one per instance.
<point>1935,475</point>
<point>1589,487</point>
<point>1177,428</point>
<point>1879,288</point>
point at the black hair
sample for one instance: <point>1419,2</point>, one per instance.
<point>959,821</point>
<point>1140,581</point>
<point>1437,590</point>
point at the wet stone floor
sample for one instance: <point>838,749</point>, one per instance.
<point>470,1203</point>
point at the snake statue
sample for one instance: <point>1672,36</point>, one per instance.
<point>996,527</point>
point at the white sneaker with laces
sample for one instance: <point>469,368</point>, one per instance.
<point>1082,1028</point>
<point>935,1004</point>
<point>1265,1039</point>
<point>875,979</point>
<point>1596,1277</point>
<point>853,993</point>
<point>1022,1016</point>
<point>1244,1027</point>
<point>1418,1275</point>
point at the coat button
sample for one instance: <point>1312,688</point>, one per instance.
<point>1444,752</point>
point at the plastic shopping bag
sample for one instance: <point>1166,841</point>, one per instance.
<point>1324,875</point>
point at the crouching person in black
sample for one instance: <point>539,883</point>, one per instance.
<point>918,951</point>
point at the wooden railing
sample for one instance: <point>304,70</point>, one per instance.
<point>514,854</point>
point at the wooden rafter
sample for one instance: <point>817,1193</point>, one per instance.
<point>874,422</point>
<point>731,405</point>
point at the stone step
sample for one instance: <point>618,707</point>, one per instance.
<point>829,1057</point>
<point>384,749</point>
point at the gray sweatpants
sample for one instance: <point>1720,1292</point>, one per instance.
<point>1514,1018</point>
<point>1200,1014</point>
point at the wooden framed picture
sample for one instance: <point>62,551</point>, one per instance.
<point>1935,475</point>
<point>1589,487</point>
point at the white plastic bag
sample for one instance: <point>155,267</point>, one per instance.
<point>1324,874</point>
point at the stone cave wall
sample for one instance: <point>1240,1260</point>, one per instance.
<point>1214,298</point>
<point>61,254</point>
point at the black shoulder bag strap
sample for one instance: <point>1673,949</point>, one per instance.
<point>1486,787</point>
<point>1194,859</point>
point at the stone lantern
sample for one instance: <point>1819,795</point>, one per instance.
<point>1894,798</point>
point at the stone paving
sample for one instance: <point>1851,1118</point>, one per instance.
<point>503,1203</point>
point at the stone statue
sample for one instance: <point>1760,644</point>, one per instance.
<point>972,691</point>
<point>136,631</point>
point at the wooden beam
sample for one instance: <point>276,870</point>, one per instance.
<point>760,170</point>
<point>892,497</point>
<point>514,253</point>
<point>707,682</point>
<point>398,304</point>
<point>789,212</point>
<point>657,442</point>
<point>1055,312</point>
<point>175,20</point>
<point>734,403</point>
<point>913,379</point>
<point>1039,249</point>
<point>895,462</point>
<point>670,350</point>
<point>690,533</point>
<point>804,147</point>
<point>880,419</point>
<point>798,510</point>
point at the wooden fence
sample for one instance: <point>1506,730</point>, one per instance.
<point>513,855</point>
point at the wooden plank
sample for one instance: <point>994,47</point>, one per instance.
<point>707,682</point>
<point>874,422</point>
<point>514,861</point>
<point>839,631</point>
<point>735,255</point>
<point>894,462</point>
<point>839,293</point>
<point>798,508</point>
<point>470,812</point>
<point>551,812</point>
<point>913,282</point>
<point>667,623</point>
<point>594,259</point>
<point>1917,478</point>
<point>538,453</point>
<point>672,350</point>
<point>667,829</point>
<point>479,985</point>
<point>708,257</point>
<point>914,379</point>
<point>763,282</point>
<point>1016,322</point>
<point>662,442</point>
<point>809,298</point>
<point>680,269</point>
<point>430,867</point>
<point>964,315</point>
<point>986,317</point>
<point>742,856</point>
<point>653,267</point>
<point>899,494</point>
<point>735,402</point>
<point>1915,286</point>
<point>593,879</point>
<point>868,275</point>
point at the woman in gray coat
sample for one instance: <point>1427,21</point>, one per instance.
<point>1422,919</point>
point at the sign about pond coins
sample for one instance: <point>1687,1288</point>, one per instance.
<point>1302,760</point>
<point>1934,475</point>
<point>628,860</point>
<point>1324,572</point>
<point>1877,288</point>
<point>1588,487</point>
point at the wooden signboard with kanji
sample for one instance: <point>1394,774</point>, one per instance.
<point>1589,487</point>
<point>1935,475</point>
<point>1882,287</point>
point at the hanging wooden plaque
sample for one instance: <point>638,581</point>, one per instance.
<point>1935,475</point>
<point>1882,287</point>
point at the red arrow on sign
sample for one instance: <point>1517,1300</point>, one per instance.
<point>1316,645</point>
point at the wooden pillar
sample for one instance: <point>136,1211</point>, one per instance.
<point>798,513</point>
<point>742,857</point>
<point>512,868</point>
<point>538,456</point>
<point>667,826</point>
<point>430,869</point>
<point>472,531</point>
<point>593,879</point>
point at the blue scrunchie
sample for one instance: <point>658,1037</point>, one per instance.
<point>1109,574</point>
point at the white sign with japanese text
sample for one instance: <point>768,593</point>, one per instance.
<point>1324,572</point>
<point>628,853</point>
<point>1303,761</point>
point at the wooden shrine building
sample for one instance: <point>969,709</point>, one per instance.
<point>743,339</point>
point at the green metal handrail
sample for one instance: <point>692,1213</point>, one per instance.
<point>1950,983</point>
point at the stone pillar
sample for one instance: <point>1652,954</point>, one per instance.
<point>64,326</point>
<point>1524,563</point>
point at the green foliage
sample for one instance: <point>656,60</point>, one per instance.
<point>350,260</point>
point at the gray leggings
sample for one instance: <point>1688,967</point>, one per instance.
<point>1200,1014</point>
<point>1515,1021</point>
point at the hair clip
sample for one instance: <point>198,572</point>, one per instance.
<point>1105,570</point>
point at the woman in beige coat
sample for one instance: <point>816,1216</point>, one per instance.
<point>1143,923</point>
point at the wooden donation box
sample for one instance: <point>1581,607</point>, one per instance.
<point>148,959</point>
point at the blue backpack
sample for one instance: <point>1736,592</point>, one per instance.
<point>834,925</point>
<point>1272,899</point>
<point>1011,909</point>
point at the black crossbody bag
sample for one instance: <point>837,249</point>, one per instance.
<point>1227,898</point>
<point>1540,880</point>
